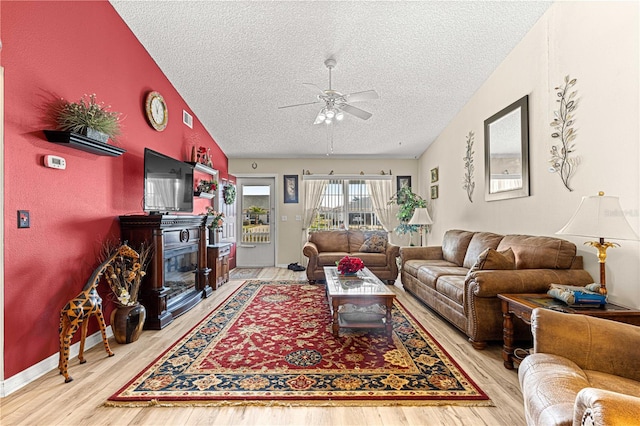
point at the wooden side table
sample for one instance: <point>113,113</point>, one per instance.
<point>218,261</point>
<point>521,305</point>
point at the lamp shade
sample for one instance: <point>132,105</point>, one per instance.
<point>599,216</point>
<point>420,217</point>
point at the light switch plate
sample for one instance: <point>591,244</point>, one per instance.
<point>23,219</point>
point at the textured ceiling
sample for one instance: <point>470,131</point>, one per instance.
<point>235,62</point>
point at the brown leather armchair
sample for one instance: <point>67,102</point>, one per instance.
<point>584,371</point>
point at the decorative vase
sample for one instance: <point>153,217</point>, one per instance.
<point>214,235</point>
<point>96,135</point>
<point>127,322</point>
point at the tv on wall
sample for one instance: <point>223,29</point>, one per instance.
<point>168,184</point>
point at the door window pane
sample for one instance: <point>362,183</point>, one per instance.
<point>256,209</point>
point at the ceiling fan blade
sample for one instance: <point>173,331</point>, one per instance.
<point>315,88</point>
<point>306,103</point>
<point>360,113</point>
<point>367,95</point>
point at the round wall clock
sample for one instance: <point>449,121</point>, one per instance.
<point>157,112</point>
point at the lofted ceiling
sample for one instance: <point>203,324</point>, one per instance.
<point>236,62</point>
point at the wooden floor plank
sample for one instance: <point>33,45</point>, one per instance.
<point>50,401</point>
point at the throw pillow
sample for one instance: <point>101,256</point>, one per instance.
<point>375,242</point>
<point>493,259</point>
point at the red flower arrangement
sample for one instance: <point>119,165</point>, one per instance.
<point>350,265</point>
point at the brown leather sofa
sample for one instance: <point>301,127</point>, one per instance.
<point>584,371</point>
<point>462,278</point>
<point>324,248</point>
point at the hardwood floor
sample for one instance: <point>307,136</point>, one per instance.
<point>49,401</point>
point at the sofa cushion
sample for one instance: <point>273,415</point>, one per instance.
<point>356,239</point>
<point>455,244</point>
<point>329,258</point>
<point>331,241</point>
<point>452,287</point>
<point>539,252</point>
<point>411,267</point>
<point>492,259</point>
<point>371,259</point>
<point>374,242</point>
<point>479,243</point>
<point>429,274</point>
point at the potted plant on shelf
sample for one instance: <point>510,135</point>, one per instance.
<point>124,276</point>
<point>207,186</point>
<point>87,117</point>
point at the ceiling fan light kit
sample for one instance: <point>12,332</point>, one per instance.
<point>336,104</point>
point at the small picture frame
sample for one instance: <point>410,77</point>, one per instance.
<point>291,189</point>
<point>434,192</point>
<point>434,175</point>
<point>402,182</point>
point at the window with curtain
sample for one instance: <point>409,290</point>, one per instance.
<point>345,204</point>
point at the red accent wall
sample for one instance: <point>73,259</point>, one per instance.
<point>67,49</point>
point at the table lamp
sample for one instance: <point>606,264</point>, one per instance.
<point>421,217</point>
<point>601,217</point>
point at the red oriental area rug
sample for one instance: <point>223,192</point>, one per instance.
<point>271,343</point>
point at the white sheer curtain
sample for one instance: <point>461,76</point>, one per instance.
<point>313,190</point>
<point>380,192</point>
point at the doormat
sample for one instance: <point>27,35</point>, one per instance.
<point>270,343</point>
<point>244,273</point>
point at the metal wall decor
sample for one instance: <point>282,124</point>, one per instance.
<point>563,130</point>
<point>468,183</point>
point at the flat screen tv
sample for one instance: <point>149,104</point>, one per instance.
<point>168,184</point>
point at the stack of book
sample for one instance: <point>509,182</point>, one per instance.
<point>577,296</point>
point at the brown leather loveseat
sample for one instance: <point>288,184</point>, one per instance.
<point>325,248</point>
<point>462,278</point>
<point>584,371</point>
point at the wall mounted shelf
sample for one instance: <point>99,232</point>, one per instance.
<point>203,168</point>
<point>204,195</point>
<point>83,143</point>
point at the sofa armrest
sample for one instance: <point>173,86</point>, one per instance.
<point>490,283</point>
<point>422,253</point>
<point>310,249</point>
<point>392,252</point>
<point>592,343</point>
<point>601,407</point>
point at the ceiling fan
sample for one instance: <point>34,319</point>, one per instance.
<point>335,103</point>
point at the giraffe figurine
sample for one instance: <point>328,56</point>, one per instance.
<point>77,311</point>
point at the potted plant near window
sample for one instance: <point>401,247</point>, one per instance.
<point>87,117</point>
<point>407,202</point>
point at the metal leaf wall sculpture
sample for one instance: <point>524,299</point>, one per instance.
<point>563,121</point>
<point>469,184</point>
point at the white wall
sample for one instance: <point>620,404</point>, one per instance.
<point>596,43</point>
<point>290,232</point>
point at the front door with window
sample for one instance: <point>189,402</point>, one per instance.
<point>256,245</point>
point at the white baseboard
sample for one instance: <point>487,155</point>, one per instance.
<point>27,376</point>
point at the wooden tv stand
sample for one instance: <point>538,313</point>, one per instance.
<point>180,250</point>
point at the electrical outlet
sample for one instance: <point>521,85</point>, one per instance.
<point>23,219</point>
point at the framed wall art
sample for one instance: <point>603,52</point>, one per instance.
<point>291,189</point>
<point>434,175</point>
<point>434,192</point>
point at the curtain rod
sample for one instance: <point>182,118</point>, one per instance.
<point>351,177</point>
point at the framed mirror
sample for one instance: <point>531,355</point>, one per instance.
<point>506,152</point>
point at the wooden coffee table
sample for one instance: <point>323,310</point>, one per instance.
<point>521,305</point>
<point>363,291</point>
